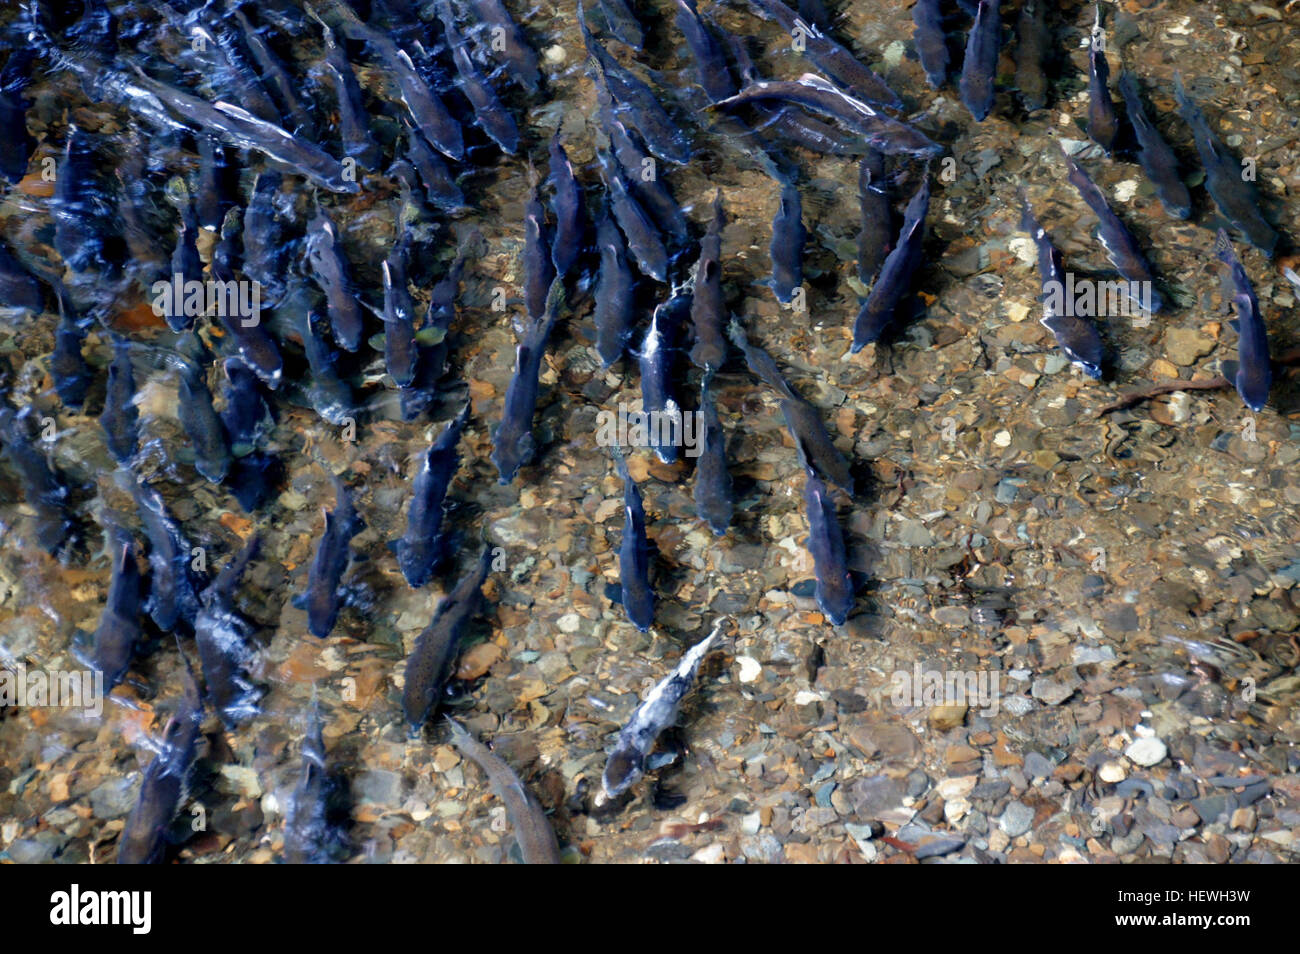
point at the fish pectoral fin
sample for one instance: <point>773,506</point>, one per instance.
<point>299,601</point>
<point>1228,368</point>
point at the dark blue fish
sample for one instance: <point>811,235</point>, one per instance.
<point>1234,196</point>
<point>896,275</point>
<point>229,74</point>
<point>431,364</point>
<point>831,58</point>
<point>218,184</point>
<point>513,444</point>
<point>508,43</point>
<point>120,419</point>
<point>1103,124</point>
<point>225,643</point>
<point>185,259</point>
<point>199,418</point>
<point>931,44</point>
<point>20,292</point>
<point>43,489</point>
<point>400,354</point>
<point>68,367</point>
<point>826,544</point>
<point>877,130</point>
<point>642,178</point>
<point>332,274</point>
<point>1033,40</point>
<point>1252,372</point>
<point>118,631</point>
<point>538,267</point>
<point>435,649</point>
<point>614,316</point>
<point>440,188</point>
<point>80,208</point>
<point>786,249</point>
<point>322,599</point>
<point>264,238</point>
<point>710,64</point>
<point>315,818</point>
<point>1121,247</point>
<point>489,112</point>
<point>876,237</point>
<point>570,223</point>
<point>622,22</point>
<point>1157,159</point>
<point>1076,335</point>
<point>354,121</point>
<point>979,69</point>
<point>252,479</point>
<point>424,545</point>
<point>278,81</point>
<point>17,143</point>
<point>714,500</point>
<point>144,839</point>
<point>657,361</point>
<point>708,309</point>
<point>245,414</point>
<point>634,555</point>
<point>174,584</point>
<point>643,238</point>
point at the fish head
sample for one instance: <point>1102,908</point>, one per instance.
<point>621,772</point>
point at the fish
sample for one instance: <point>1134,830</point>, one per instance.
<point>802,419</point>
<point>714,499</point>
<point>224,641</point>
<point>622,22</point>
<point>440,188</point>
<point>1234,196</point>
<point>878,130</point>
<point>329,394</point>
<point>424,545</point>
<point>1103,124</point>
<point>1154,155</point>
<point>245,413</point>
<point>313,831</point>
<point>228,72</point>
<point>513,444</point>
<point>330,269</point>
<point>174,584</point>
<point>834,588</point>
<point>20,292</point>
<point>876,236</point>
<point>566,202</point>
<point>322,599</point>
<point>118,631</point>
<point>400,354</point>
<point>490,113</point>
<point>708,309</point>
<point>786,248</point>
<point>643,238</point>
<point>263,235</point>
<point>1033,40</point>
<point>508,40</point>
<point>1121,247</point>
<point>17,141</point>
<point>43,489</point>
<point>144,838</point>
<point>710,64</point>
<point>614,315</point>
<point>833,59</point>
<point>536,837</point>
<point>538,268</point>
<point>1077,336</point>
<point>431,116</point>
<point>638,596</point>
<point>185,258</point>
<point>626,764</point>
<point>979,68</point>
<point>431,363</point>
<point>931,44</point>
<point>642,179</point>
<point>120,419</point>
<point>199,418</point>
<point>1251,373</point>
<point>429,665</point>
<point>217,185</point>
<point>79,207</point>
<point>656,361</point>
<point>890,290</point>
<point>664,136</point>
<point>279,83</point>
<point>68,367</point>
<point>354,121</point>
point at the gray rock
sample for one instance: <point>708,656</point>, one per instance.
<point>668,849</point>
<point>991,790</point>
<point>1016,819</point>
<point>114,798</point>
<point>378,786</point>
<point>917,782</point>
<point>871,797</point>
<point>1038,765</point>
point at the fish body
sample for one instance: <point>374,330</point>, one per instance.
<point>245,414</point>
<point>226,650</point>
<point>710,63</point>
<point>312,833</point>
<point>1033,40</point>
<point>538,268</point>
<point>876,236</point>
<point>17,141</point>
<point>657,360</point>
<point>1253,374</point>
<point>1077,336</point>
<point>354,123</point>
<point>979,68</point>
<point>173,583</point>
<point>1103,124</point>
<point>896,274</point>
<point>322,599</point>
<point>708,309</point>
<point>440,188</point>
<point>279,83</point>
<point>615,288</point>
<point>120,418</point>
<point>786,249</point>
<point>566,203</point>
<point>329,394</point>
<point>20,292</point>
<point>714,498</point>
<point>643,238</point>
<point>1154,155</point>
<point>118,631</point>
<point>263,235</point>
<point>68,367</point>
<point>1234,196</point>
<point>513,444</point>
<point>400,352</point>
<point>200,420</point>
<point>424,545</point>
<point>643,181</point>
<point>489,112</point>
<point>331,271</point>
<point>79,207</point>
<point>826,544</point>
<point>634,555</point>
<point>43,489</point>
<point>656,712</point>
<point>931,44</point>
<point>513,48</point>
<point>435,649</point>
<point>622,22</point>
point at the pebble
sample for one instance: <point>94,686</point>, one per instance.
<point>1147,751</point>
<point>113,798</point>
<point>1111,772</point>
<point>750,669</point>
<point>1037,765</point>
<point>1016,819</point>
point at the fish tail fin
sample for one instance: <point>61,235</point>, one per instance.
<point>1223,248</point>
